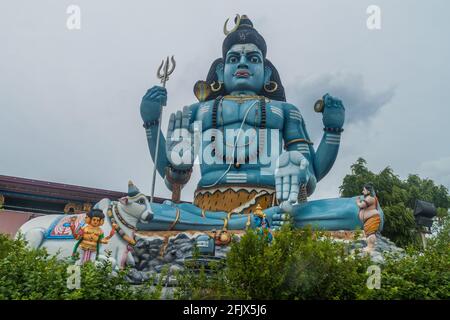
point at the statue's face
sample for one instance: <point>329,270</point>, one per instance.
<point>96,221</point>
<point>365,192</point>
<point>244,69</point>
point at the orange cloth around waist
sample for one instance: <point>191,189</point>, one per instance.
<point>372,224</point>
<point>230,199</point>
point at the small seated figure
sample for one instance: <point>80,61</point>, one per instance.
<point>369,215</point>
<point>90,236</point>
<point>262,224</point>
<point>222,238</point>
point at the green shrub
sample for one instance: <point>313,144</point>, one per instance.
<point>301,264</point>
<point>196,282</point>
<point>422,274</point>
<point>294,266</point>
<point>34,274</point>
<point>298,264</point>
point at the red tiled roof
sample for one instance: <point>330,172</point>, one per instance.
<point>57,190</point>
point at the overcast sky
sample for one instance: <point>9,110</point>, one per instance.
<point>69,99</point>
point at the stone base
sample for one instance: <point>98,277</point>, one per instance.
<point>155,250</point>
<point>343,235</point>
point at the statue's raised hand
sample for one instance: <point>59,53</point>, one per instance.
<point>180,140</point>
<point>292,171</point>
<point>333,112</point>
<point>152,102</point>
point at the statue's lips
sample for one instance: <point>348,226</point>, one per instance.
<point>242,74</point>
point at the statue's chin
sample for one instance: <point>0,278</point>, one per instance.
<point>243,85</point>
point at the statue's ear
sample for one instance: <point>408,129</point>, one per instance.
<point>267,74</point>
<point>219,71</point>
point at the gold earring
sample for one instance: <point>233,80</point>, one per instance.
<point>275,86</point>
<point>215,89</point>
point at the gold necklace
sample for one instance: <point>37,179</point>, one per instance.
<point>242,98</point>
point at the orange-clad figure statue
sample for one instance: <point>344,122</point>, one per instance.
<point>369,215</point>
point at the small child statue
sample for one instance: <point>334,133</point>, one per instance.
<point>369,215</point>
<point>262,224</point>
<point>90,235</point>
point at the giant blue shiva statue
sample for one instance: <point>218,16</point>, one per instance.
<point>251,144</point>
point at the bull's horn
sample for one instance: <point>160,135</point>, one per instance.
<point>132,189</point>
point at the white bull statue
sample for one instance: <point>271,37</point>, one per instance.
<point>53,231</point>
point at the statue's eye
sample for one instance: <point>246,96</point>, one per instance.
<point>233,59</point>
<point>141,201</point>
<point>254,59</point>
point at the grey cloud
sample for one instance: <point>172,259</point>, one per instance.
<point>360,102</point>
<point>438,170</point>
<point>69,100</point>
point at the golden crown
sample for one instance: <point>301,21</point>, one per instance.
<point>258,212</point>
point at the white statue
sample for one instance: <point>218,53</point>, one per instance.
<point>54,231</point>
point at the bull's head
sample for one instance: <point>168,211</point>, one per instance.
<point>135,204</point>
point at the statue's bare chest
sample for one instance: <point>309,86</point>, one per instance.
<point>231,113</point>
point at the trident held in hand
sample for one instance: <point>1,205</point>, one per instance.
<point>164,78</point>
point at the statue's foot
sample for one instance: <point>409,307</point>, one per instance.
<point>366,249</point>
<point>326,214</point>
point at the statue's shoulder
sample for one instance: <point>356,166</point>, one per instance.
<point>202,104</point>
<point>194,106</point>
<point>283,105</point>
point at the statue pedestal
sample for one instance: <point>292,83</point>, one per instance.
<point>342,235</point>
<point>155,250</point>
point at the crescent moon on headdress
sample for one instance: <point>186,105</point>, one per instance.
<point>238,21</point>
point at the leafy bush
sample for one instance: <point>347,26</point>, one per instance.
<point>34,274</point>
<point>421,274</point>
<point>300,264</point>
<point>196,282</point>
<point>295,266</point>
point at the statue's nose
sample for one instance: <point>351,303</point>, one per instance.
<point>243,63</point>
<point>242,66</point>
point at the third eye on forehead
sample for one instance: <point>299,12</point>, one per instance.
<point>244,48</point>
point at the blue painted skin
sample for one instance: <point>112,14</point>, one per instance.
<point>244,73</point>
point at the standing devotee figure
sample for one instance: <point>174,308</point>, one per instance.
<point>369,215</point>
<point>90,236</point>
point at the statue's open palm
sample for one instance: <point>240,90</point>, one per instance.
<point>180,140</point>
<point>292,171</point>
